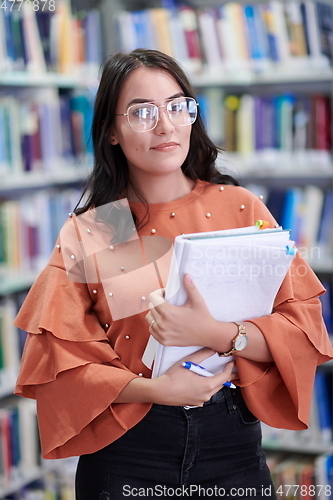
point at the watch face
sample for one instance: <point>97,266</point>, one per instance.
<point>241,343</point>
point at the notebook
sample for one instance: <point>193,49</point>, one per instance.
<point>238,272</point>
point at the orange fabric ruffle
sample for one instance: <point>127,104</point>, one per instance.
<point>69,366</point>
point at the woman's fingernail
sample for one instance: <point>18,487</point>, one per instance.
<point>188,278</point>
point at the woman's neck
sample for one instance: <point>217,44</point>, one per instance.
<point>161,189</point>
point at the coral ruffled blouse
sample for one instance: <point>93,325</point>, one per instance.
<point>78,357</point>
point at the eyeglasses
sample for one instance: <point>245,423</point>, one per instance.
<point>143,117</point>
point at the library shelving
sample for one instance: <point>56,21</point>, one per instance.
<point>50,54</point>
<point>272,57</point>
<point>264,80</point>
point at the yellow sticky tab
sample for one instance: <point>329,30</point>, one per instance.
<point>262,224</point>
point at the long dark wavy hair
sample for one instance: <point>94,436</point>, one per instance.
<point>109,179</point>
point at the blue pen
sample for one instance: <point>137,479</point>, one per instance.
<point>201,370</point>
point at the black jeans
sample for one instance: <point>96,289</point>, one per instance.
<point>209,452</point>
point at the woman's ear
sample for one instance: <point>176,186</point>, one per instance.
<point>113,140</point>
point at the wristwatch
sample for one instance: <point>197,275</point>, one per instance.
<point>238,343</point>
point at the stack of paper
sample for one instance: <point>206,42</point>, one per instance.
<point>238,272</point>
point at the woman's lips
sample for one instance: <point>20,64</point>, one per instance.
<point>166,146</point>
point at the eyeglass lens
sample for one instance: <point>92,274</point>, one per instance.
<point>181,111</point>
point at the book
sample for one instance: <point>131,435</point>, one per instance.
<point>313,197</point>
<point>245,125</point>
<point>325,19</point>
<point>81,108</point>
<point>209,38</point>
<point>211,104</point>
<point>32,41</point>
<point>304,12</point>
<point>9,37</point>
<point>236,18</point>
<point>323,398</point>
<point>295,29</point>
<point>292,211</point>
<point>323,476</point>
<point>189,22</point>
<point>236,268</point>
<point>322,122</point>
<point>5,62</point>
<point>233,43</point>
<point>43,18</point>
<point>280,28</point>
<point>160,19</point>
<point>270,26</point>
<point>231,104</point>
<point>325,235</point>
<point>66,63</point>
<point>4,160</point>
<point>327,306</point>
<point>258,43</point>
<point>311,28</point>
<point>125,31</point>
<point>284,122</point>
<point>178,39</point>
<point>91,43</point>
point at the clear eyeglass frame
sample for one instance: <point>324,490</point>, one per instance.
<point>147,113</point>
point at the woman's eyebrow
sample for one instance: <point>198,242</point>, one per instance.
<point>140,100</point>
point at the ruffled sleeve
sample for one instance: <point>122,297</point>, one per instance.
<point>70,368</point>
<point>280,393</point>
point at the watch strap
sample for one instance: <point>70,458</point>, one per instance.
<point>241,331</point>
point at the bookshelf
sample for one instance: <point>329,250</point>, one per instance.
<point>49,62</point>
<point>270,55</point>
<point>71,79</point>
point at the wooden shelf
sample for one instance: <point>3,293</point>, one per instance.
<point>17,282</point>
<point>220,77</point>
<point>26,79</point>
<point>39,179</point>
<point>209,77</point>
<point>312,449</point>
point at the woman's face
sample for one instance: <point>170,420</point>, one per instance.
<point>162,150</point>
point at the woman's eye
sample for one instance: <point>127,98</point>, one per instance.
<point>143,113</point>
<point>176,108</point>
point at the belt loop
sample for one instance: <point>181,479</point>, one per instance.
<point>228,397</point>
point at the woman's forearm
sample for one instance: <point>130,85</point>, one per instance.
<point>138,390</point>
<point>177,386</point>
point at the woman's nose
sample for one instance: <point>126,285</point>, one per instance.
<point>164,123</point>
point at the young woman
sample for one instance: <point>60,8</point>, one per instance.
<point>89,324</point>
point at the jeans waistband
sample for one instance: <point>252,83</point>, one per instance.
<point>218,397</point>
<point>221,396</point>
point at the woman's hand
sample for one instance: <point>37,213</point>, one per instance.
<point>181,387</point>
<point>178,386</point>
<point>193,325</point>
<point>185,325</point>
